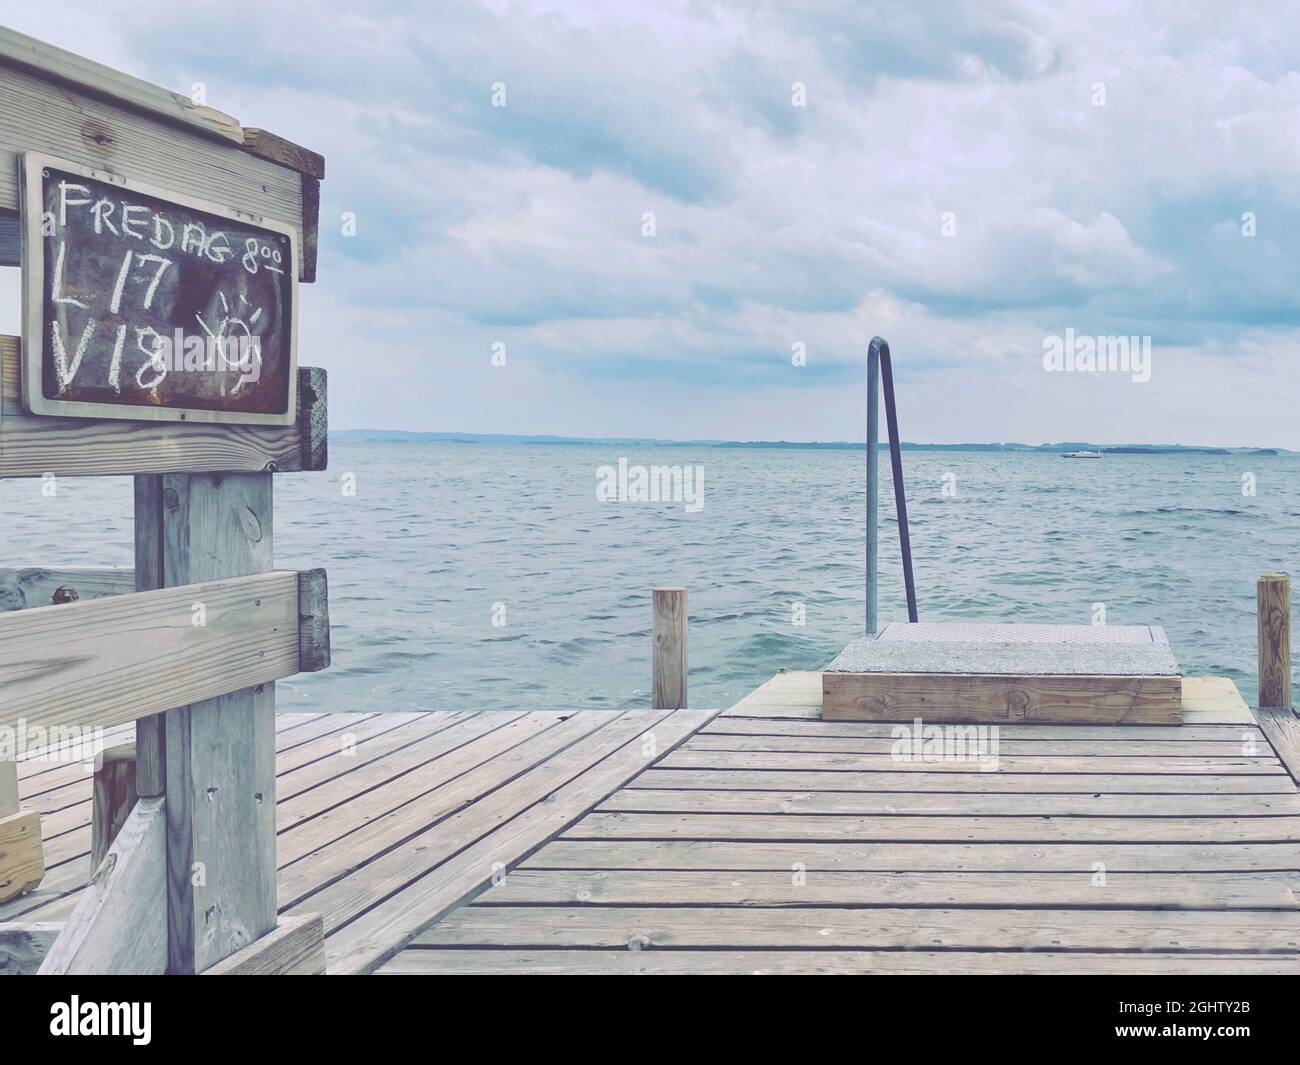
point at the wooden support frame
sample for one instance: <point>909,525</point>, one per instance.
<point>112,799</point>
<point>22,857</point>
<point>995,699</point>
<point>8,787</point>
<point>32,446</point>
<point>192,645</point>
<point>62,103</point>
<point>27,586</point>
<point>1276,716</point>
<point>213,758</point>
<point>119,926</point>
<point>143,653</point>
<point>295,947</point>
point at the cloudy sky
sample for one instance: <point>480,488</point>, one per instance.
<point>966,179</point>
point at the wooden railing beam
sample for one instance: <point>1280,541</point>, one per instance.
<point>107,661</point>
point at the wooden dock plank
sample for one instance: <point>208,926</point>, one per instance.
<point>1247,747</point>
<point>965,783</point>
<point>708,887</point>
<point>757,927</point>
<point>314,855</point>
<point>765,841</point>
<point>970,829</point>
<point>757,725</point>
<point>691,757</point>
<point>460,857</point>
<point>773,841</point>
<point>941,804</point>
<point>625,962</point>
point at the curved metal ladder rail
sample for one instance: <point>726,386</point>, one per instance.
<point>880,371</point>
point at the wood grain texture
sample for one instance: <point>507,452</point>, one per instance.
<point>387,821</point>
<point>95,79</point>
<point>33,446</point>
<point>773,840</point>
<point>1273,595</point>
<point>587,772</point>
<point>114,797</point>
<point>895,857</point>
<point>295,947</point>
<point>22,861</point>
<point>1101,781</point>
<point>8,787</point>
<point>269,146</point>
<point>10,238</point>
<point>991,699</point>
<point>903,928</point>
<point>24,944</point>
<point>313,417</point>
<point>797,695</point>
<point>906,829</point>
<point>313,621</point>
<point>1011,764</point>
<point>27,586</point>
<point>106,661</point>
<point>623,962</point>
<point>73,124</point>
<point>944,804</point>
<point>119,926</point>
<point>310,227</point>
<point>150,731</point>
<point>665,887</point>
<point>220,751</point>
<point>1282,728</point>
<point>669,655</point>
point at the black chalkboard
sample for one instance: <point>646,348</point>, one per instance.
<point>149,304</point>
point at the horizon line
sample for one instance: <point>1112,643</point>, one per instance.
<point>844,445</point>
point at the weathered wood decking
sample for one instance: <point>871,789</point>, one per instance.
<point>763,839</point>
<point>772,841</point>
<point>385,821</point>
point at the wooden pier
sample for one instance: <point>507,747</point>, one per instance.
<point>762,839</point>
<point>216,837</point>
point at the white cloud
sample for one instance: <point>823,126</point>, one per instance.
<point>776,223</point>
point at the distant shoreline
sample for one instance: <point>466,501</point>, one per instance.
<point>403,436</point>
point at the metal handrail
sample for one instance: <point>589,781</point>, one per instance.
<point>880,369</point>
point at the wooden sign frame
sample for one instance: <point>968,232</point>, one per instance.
<point>33,300</point>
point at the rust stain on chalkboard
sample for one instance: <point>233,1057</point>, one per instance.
<point>150,304</point>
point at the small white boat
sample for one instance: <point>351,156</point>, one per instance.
<point>1081,455</point>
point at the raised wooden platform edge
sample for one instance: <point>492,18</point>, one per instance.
<point>1282,728</point>
<point>295,947</point>
<point>22,855</point>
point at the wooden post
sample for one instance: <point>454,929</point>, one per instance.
<point>1274,608</point>
<point>114,796</point>
<point>8,788</point>
<point>669,631</point>
<point>217,756</point>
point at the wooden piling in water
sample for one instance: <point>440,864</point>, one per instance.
<point>1274,608</point>
<point>669,655</point>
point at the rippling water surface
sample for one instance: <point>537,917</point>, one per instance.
<point>438,534</point>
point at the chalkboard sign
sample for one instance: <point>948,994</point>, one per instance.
<point>147,304</point>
